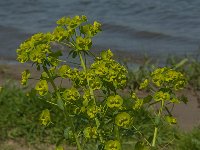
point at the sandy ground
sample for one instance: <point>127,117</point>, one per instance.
<point>188,116</point>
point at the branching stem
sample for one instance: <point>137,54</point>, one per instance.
<point>156,127</point>
<point>59,97</point>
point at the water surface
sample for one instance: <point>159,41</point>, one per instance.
<point>155,27</point>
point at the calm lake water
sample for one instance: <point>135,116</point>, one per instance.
<point>155,27</point>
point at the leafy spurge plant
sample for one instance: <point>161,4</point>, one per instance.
<point>163,84</point>
<point>93,108</point>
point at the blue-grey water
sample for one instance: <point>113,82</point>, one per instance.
<point>155,27</point>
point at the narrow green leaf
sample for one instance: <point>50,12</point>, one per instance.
<point>60,104</point>
<point>68,134</point>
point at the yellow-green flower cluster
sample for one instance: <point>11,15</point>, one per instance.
<point>174,100</point>
<point>94,81</point>
<point>169,78</point>
<point>109,71</point>
<point>65,71</point>
<point>69,32</point>
<point>71,94</point>
<point>86,97</point>
<point>71,23</point>
<point>171,119</point>
<point>114,101</point>
<point>25,75</point>
<point>165,96</point>
<point>123,119</point>
<point>45,117</point>
<point>138,104</point>
<point>66,27</point>
<point>133,95</point>
<point>92,111</point>
<point>79,78</point>
<point>44,76</point>
<point>35,49</point>
<point>91,30</point>
<point>112,145</point>
<point>83,44</point>
<point>144,84</point>
<point>106,55</point>
<point>60,33</point>
<point>90,132</point>
<point>161,96</point>
<point>42,87</point>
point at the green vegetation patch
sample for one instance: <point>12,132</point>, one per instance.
<point>20,117</point>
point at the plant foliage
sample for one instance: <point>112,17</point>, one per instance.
<point>93,108</point>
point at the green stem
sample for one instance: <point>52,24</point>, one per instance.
<point>59,97</point>
<point>74,131</point>
<point>77,141</point>
<point>154,136</point>
<point>85,69</point>
<point>51,81</point>
<point>92,96</point>
<point>142,135</point>
<point>156,127</point>
<point>82,62</point>
<point>118,135</point>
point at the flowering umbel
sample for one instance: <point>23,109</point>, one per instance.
<point>45,117</point>
<point>112,145</point>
